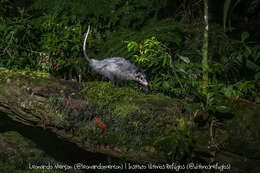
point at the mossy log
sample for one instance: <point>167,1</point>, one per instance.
<point>128,123</point>
<point>97,117</point>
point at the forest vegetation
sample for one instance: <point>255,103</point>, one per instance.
<point>166,38</point>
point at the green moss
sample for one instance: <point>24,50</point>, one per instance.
<point>114,137</point>
<point>103,93</point>
<point>244,129</point>
<point>126,101</point>
<point>137,120</point>
<point>125,109</point>
<point>7,75</point>
<point>120,99</point>
<point>2,91</point>
<point>27,79</point>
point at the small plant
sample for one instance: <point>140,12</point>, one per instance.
<point>239,89</point>
<point>150,53</point>
<point>61,44</point>
<point>153,56</point>
<point>173,75</point>
<point>240,61</point>
<point>17,39</point>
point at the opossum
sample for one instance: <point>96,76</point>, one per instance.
<point>115,68</point>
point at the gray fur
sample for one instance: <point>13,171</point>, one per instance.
<point>115,68</point>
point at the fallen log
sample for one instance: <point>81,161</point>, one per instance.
<point>129,124</point>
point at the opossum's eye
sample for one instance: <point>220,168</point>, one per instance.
<point>142,78</point>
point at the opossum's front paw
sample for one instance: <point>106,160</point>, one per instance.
<point>114,84</point>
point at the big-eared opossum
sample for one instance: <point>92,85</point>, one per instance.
<point>115,68</point>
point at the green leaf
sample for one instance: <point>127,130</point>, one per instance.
<point>257,76</point>
<point>223,108</point>
<point>244,36</point>
<point>184,59</point>
<point>132,46</point>
<point>2,27</point>
<point>166,84</point>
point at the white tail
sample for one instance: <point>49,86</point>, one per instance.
<point>84,43</point>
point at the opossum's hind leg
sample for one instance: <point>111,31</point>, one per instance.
<point>113,80</point>
<point>116,83</point>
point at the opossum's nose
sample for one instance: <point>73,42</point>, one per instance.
<point>145,83</point>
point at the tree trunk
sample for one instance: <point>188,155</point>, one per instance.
<point>205,66</point>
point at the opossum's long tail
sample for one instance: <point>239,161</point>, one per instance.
<point>84,43</point>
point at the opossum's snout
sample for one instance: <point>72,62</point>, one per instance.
<point>140,78</point>
<point>145,83</point>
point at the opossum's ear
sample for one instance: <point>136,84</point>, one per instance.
<point>137,73</point>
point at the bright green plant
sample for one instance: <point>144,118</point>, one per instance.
<point>151,53</point>
<point>174,76</point>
